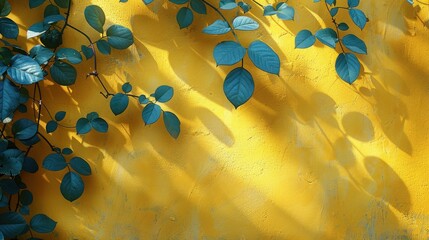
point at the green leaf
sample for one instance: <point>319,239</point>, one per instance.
<point>53,19</point>
<point>238,86</point>
<point>358,17</point>
<point>51,10</point>
<point>198,6</point>
<point>87,51</point>
<point>264,57</point>
<point>60,115</point>
<point>172,124</point>
<point>217,27</point>
<point>119,103</point>
<point>353,3</point>
<point>25,197</point>
<point>83,126</point>
<point>69,54</point>
<point>354,44</point>
<point>30,165</point>
<point>72,186</point>
<point>63,73</point>
<point>12,224</point>
<point>9,99</point>
<point>24,129</point>
<point>41,54</point>
<point>269,10</point>
<point>348,67</point>
<point>36,29</point>
<point>184,17</point>
<point>100,125</point>
<point>327,36</point>
<point>151,113</point>
<point>285,12</point>
<point>304,39</point>
<point>103,46</point>
<point>51,126</point>
<point>24,70</point>
<point>244,23</point>
<point>80,165</point>
<point>42,224</point>
<point>228,53</point>
<point>8,28</point>
<point>127,87</point>
<point>227,4</point>
<point>52,38</point>
<point>163,93</point>
<point>95,17</point>
<point>54,162</point>
<point>11,162</point>
<point>343,26</point>
<point>119,37</point>
<point>62,3</point>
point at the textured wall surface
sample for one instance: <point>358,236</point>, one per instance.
<point>308,157</point>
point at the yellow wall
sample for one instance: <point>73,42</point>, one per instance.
<point>308,157</point>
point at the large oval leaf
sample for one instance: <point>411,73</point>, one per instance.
<point>304,39</point>
<point>83,126</point>
<point>327,36</point>
<point>24,129</point>
<point>63,73</point>
<point>358,17</point>
<point>354,44</point>
<point>9,99</point>
<point>163,93</point>
<point>244,23</point>
<point>119,37</point>
<point>184,17</point>
<point>80,165</point>
<point>100,125</point>
<point>198,6</point>
<point>284,11</point>
<point>348,67</point>
<point>12,224</point>
<point>72,186</point>
<point>103,46</point>
<point>36,29</point>
<point>119,103</point>
<point>228,53</point>
<point>172,124</point>
<point>8,28</point>
<point>54,162</point>
<point>69,54</point>
<point>25,197</point>
<point>264,57</point>
<point>95,17</point>
<point>11,162</point>
<point>151,113</point>
<point>62,3</point>
<point>238,86</point>
<point>24,70</point>
<point>41,54</point>
<point>42,224</point>
<point>217,27</point>
<point>36,3</point>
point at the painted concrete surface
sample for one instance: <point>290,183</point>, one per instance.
<point>308,157</point>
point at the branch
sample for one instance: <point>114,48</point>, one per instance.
<point>220,14</point>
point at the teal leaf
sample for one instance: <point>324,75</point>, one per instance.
<point>42,224</point>
<point>327,36</point>
<point>353,3</point>
<point>31,141</point>
<point>83,126</point>
<point>63,73</point>
<point>51,10</point>
<point>143,99</point>
<point>333,11</point>
<point>163,93</point>
<point>54,162</point>
<point>304,39</point>
<point>36,29</point>
<point>264,57</point>
<point>66,151</point>
<point>184,17</point>
<point>25,197</point>
<point>244,6</point>
<point>228,53</point>
<point>53,19</point>
<point>60,115</point>
<point>119,37</point>
<point>51,126</point>
<point>354,44</point>
<point>410,2</point>
<point>6,9</point>
<point>285,12</point>
<point>12,224</point>
<point>179,1</point>
<point>69,54</point>
<point>24,210</point>
<point>35,3</point>
<point>87,51</point>
<point>123,0</point>
<point>348,67</point>
<point>343,26</point>
<point>41,54</point>
<point>11,162</point>
<point>24,129</point>
<point>9,186</point>
<point>198,6</point>
<point>72,186</point>
<point>24,70</point>
<point>62,3</point>
<point>330,2</point>
<point>92,115</point>
<point>52,38</point>
<point>95,17</point>
<point>127,87</point>
<point>244,23</point>
<point>80,165</point>
<point>8,28</point>
<point>103,46</point>
<point>238,86</point>
<point>269,10</point>
<point>151,113</point>
<point>358,17</point>
<point>217,27</point>
<point>172,124</point>
<point>119,103</point>
<point>30,165</point>
<point>100,125</point>
<point>9,99</point>
<point>227,4</point>
<point>147,1</point>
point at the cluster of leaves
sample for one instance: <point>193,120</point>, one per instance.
<point>21,71</point>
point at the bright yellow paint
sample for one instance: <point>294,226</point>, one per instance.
<point>308,157</point>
